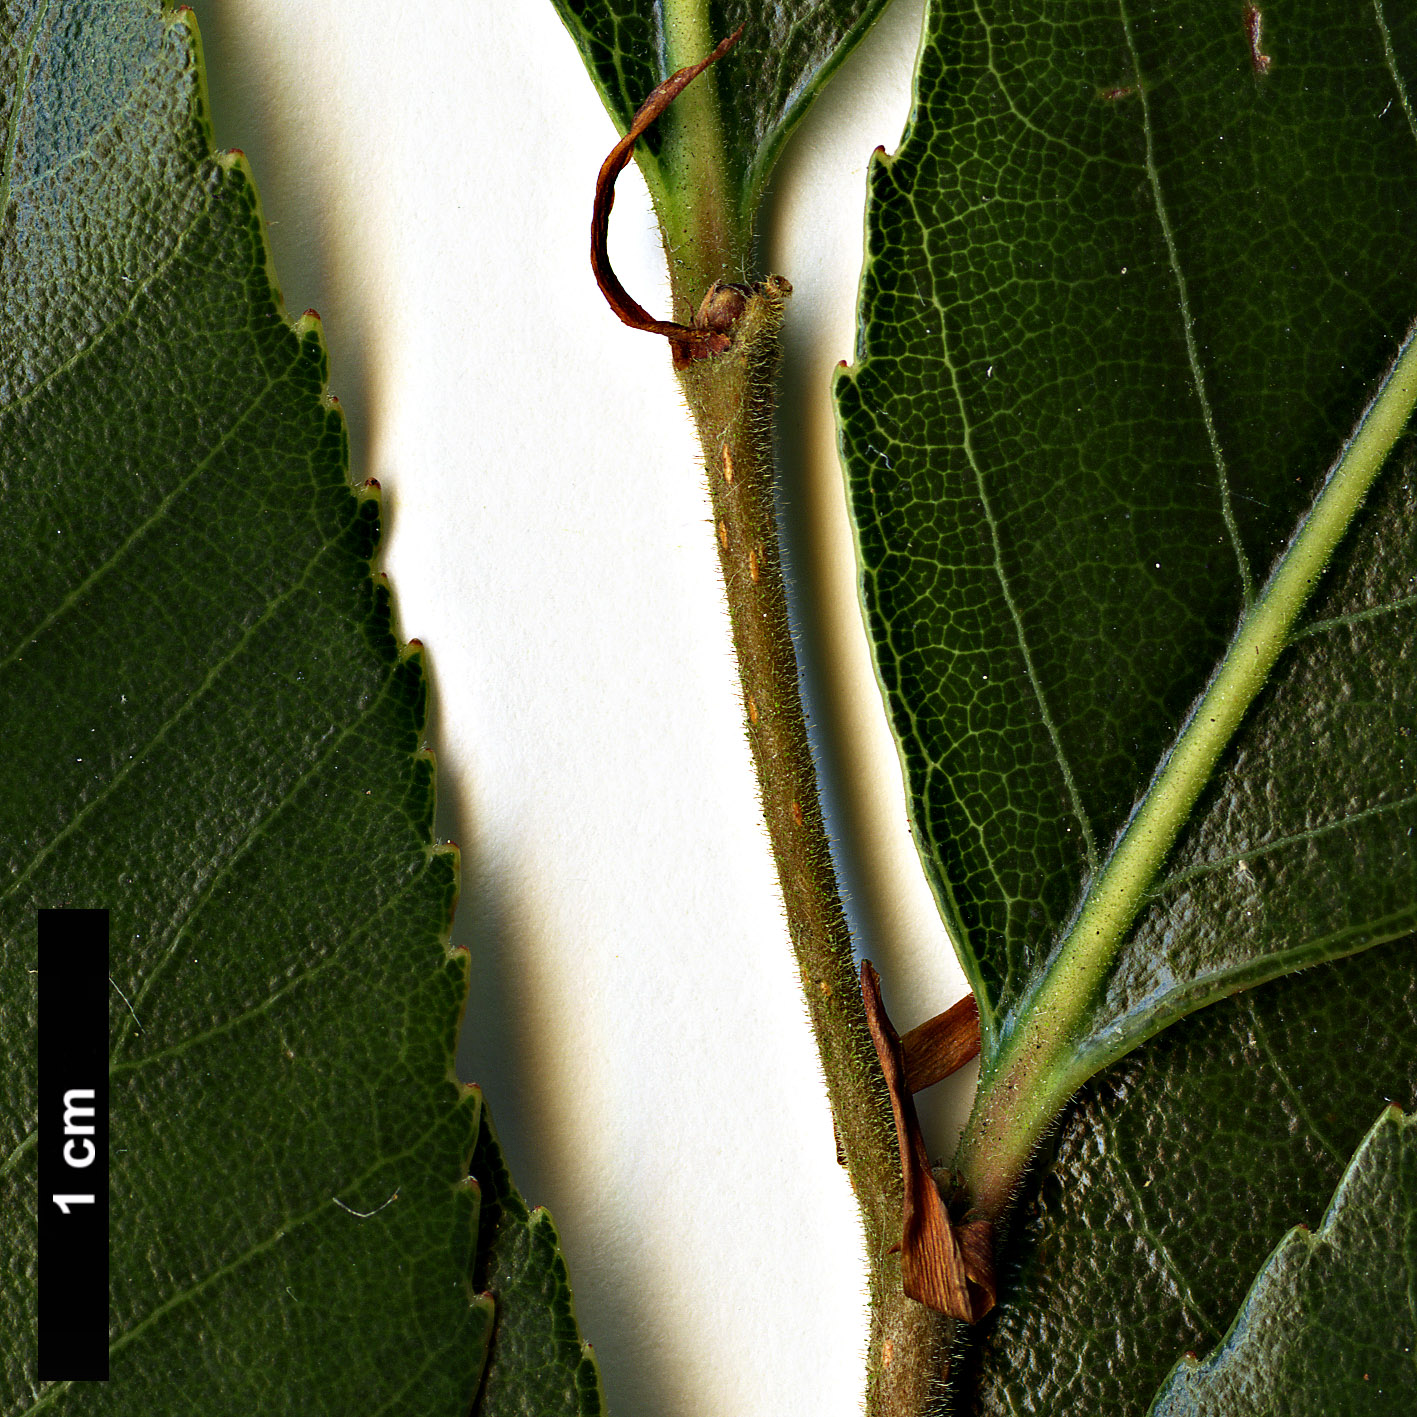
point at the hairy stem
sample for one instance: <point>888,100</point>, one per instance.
<point>727,365</point>
<point>731,397</point>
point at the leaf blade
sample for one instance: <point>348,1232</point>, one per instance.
<point>537,1359</point>
<point>216,735</point>
<point>1175,1173</point>
<point>1328,1325</point>
<point>1044,577</point>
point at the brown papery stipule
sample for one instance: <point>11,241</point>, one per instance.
<point>941,1045</point>
<point>690,341</point>
<point>946,1266</point>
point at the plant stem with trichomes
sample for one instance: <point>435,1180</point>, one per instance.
<point>730,393</point>
<point>730,396</point>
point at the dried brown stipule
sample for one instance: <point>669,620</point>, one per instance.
<point>945,1266</point>
<point>941,1045</point>
<point>690,341</point>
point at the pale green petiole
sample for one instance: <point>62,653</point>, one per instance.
<point>1038,1067</point>
<point>697,212</point>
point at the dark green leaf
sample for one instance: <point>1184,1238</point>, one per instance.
<point>537,1362</point>
<point>765,85</point>
<point>1329,1326</point>
<point>1300,849</point>
<point>1175,1174</point>
<point>213,732</point>
<point>1132,281</point>
<point>1128,292</point>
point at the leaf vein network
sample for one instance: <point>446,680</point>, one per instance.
<point>1291,1089</point>
<point>199,1286</point>
<point>12,138</point>
<point>1165,1260</point>
<point>1023,119</point>
<point>1187,321</point>
<point>287,986</point>
<point>435,1355</point>
<point>98,338</point>
<point>137,94</point>
<point>1006,590</point>
<point>96,575</point>
<point>141,755</point>
<point>189,913</point>
<point>236,1020</point>
<point>23,1146</point>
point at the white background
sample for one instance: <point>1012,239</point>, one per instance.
<point>427,173</point>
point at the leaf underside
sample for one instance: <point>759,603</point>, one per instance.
<point>1099,384</point>
<point>213,732</point>
<point>1131,279</point>
<point>1174,1175</point>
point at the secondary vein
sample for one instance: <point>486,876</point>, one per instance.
<point>1278,843</point>
<point>1291,1089</point>
<point>1153,175</point>
<point>1165,1260</point>
<point>1356,617</point>
<point>967,446</point>
<point>1043,1061</point>
<point>22,85</point>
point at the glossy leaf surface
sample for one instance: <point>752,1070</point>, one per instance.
<point>1176,1173</point>
<point>1131,281</point>
<point>213,733</point>
<point>764,86</point>
<point>1329,1326</point>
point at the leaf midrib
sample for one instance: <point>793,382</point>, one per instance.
<point>1116,894</point>
<point>1048,1052</point>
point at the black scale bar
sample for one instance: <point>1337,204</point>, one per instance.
<point>73,1145</point>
